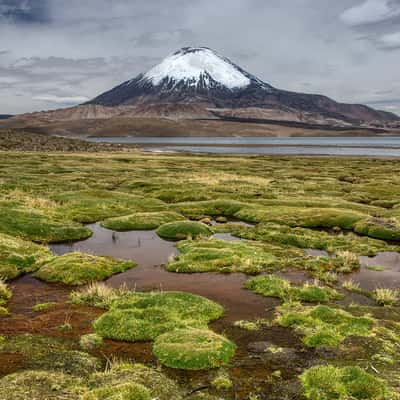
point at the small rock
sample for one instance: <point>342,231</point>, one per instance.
<point>258,347</point>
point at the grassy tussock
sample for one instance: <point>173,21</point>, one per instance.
<point>274,286</point>
<point>226,257</point>
<point>183,230</point>
<point>386,297</point>
<point>323,325</point>
<point>144,316</point>
<point>95,205</point>
<point>97,294</point>
<point>5,295</point>
<point>79,269</point>
<point>193,349</point>
<point>333,383</point>
<point>310,239</point>
<point>141,221</point>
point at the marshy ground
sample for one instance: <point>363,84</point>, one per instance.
<point>221,277</point>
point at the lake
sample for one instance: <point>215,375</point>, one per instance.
<point>388,146</point>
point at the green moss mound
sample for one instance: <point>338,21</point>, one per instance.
<point>141,221</point>
<point>199,209</point>
<point>323,325</point>
<point>310,239</point>
<point>38,226</point>
<point>44,353</point>
<point>19,256</point>
<point>126,391</point>
<point>320,202</point>
<point>40,385</point>
<point>193,349</point>
<point>159,386</point>
<point>223,256</point>
<point>327,382</point>
<point>183,230</point>
<point>89,206</point>
<point>302,217</point>
<point>78,268</point>
<point>144,316</point>
<point>275,286</point>
<point>379,228</point>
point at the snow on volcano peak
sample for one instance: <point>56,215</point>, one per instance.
<point>190,64</point>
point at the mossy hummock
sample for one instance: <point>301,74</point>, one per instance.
<point>141,221</point>
<point>18,256</point>
<point>36,225</point>
<point>120,373</point>
<point>385,229</point>
<point>305,238</point>
<point>183,230</point>
<point>328,382</point>
<point>144,316</point>
<point>40,385</point>
<point>193,349</point>
<point>124,391</point>
<point>323,325</point>
<point>87,206</point>
<point>275,286</point>
<point>310,217</point>
<point>223,256</point>
<point>50,354</point>
<point>79,268</point>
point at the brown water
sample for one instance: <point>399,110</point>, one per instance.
<point>144,247</point>
<point>388,278</point>
<point>367,278</point>
<point>150,252</point>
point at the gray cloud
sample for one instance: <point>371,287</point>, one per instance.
<point>390,41</point>
<point>370,12</point>
<point>50,98</point>
<point>55,52</point>
<point>378,20</point>
<point>24,11</point>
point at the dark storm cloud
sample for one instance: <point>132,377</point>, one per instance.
<point>57,52</point>
<point>24,11</point>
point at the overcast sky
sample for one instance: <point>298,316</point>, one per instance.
<point>55,53</point>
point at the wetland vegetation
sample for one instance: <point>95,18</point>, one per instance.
<point>267,287</point>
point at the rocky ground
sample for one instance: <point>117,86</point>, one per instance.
<point>15,140</point>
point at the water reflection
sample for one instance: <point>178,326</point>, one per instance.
<point>144,247</point>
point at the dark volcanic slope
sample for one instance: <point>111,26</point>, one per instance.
<point>200,76</point>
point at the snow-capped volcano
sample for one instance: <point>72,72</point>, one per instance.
<point>197,80</point>
<point>194,65</point>
<point>190,75</point>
